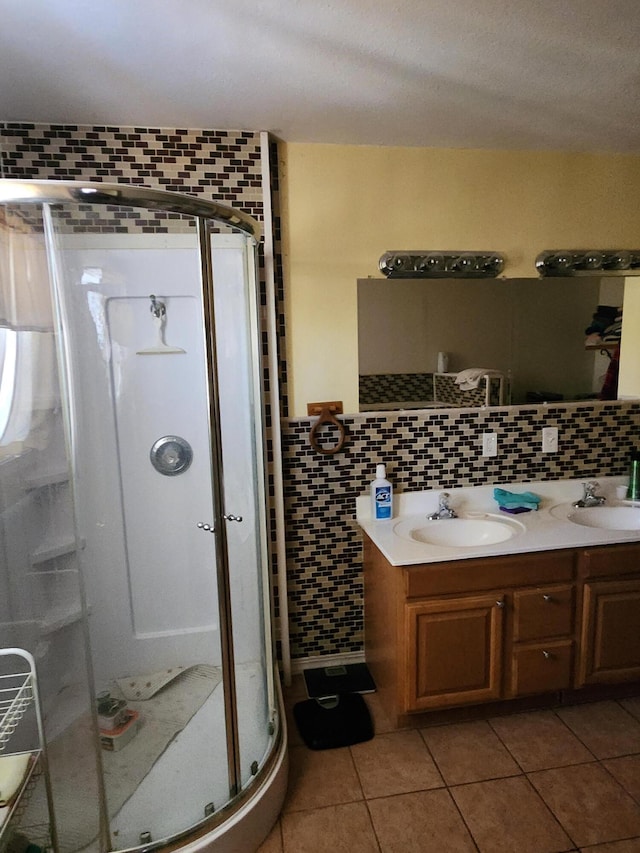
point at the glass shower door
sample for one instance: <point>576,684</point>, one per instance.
<point>132,501</point>
<point>130,312</point>
<point>239,384</point>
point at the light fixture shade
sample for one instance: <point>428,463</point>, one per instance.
<point>559,262</point>
<point>436,264</point>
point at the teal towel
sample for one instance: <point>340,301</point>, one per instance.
<point>510,499</point>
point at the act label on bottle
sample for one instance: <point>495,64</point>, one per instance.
<point>383,502</point>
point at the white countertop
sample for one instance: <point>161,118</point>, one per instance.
<point>541,530</point>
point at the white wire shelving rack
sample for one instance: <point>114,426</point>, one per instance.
<point>19,705</point>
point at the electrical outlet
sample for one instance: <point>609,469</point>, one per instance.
<point>550,439</point>
<point>490,444</point>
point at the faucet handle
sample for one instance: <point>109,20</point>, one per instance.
<point>443,500</point>
<point>590,488</point>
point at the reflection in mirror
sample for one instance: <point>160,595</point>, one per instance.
<point>455,343</point>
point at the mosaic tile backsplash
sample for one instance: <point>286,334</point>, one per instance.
<point>422,450</point>
<point>441,388</point>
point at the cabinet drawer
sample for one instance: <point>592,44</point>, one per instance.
<point>483,574</point>
<point>543,612</point>
<point>541,669</point>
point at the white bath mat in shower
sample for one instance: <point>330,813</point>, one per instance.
<point>140,687</point>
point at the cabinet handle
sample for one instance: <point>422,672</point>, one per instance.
<point>546,655</point>
<point>547,598</point>
<point>499,603</point>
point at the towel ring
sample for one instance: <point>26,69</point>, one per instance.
<point>326,417</point>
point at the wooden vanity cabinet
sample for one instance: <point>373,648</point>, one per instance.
<point>443,635</point>
<point>610,641</point>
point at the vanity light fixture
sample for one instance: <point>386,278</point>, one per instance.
<point>449,264</point>
<point>564,262</point>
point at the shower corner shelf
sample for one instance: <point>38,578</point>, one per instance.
<point>18,694</point>
<point>50,478</point>
<point>52,550</point>
<point>60,618</point>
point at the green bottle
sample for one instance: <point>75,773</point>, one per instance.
<point>633,490</point>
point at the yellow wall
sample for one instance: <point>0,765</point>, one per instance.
<point>343,206</point>
<point>629,380</point>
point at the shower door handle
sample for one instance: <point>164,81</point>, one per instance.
<point>208,528</point>
<point>233,517</point>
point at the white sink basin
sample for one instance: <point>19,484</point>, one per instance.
<point>458,532</point>
<point>603,517</point>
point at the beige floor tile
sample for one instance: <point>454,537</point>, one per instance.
<point>469,752</point>
<point>632,845</point>
<point>589,804</point>
<point>335,829</point>
<point>320,778</point>
<point>632,705</point>
<point>627,771</point>
<point>395,763</point>
<point>381,721</point>
<point>421,822</point>
<point>539,740</point>
<point>296,692</point>
<point>273,842</point>
<point>507,815</point>
<point>605,727</point>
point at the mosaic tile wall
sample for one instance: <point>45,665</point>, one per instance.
<point>439,387</point>
<point>219,164</point>
<point>395,387</point>
<point>439,449</point>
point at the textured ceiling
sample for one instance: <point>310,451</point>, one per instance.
<point>533,74</point>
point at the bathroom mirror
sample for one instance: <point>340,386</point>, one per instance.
<point>531,332</point>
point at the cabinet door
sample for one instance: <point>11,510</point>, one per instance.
<point>610,634</point>
<point>453,651</point>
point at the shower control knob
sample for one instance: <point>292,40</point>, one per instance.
<point>231,517</point>
<point>207,527</point>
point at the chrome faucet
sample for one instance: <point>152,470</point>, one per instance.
<point>444,510</point>
<point>589,497</point>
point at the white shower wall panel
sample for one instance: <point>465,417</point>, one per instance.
<point>171,562</point>
<point>138,626</point>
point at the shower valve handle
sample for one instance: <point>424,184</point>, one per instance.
<point>233,517</point>
<point>207,527</point>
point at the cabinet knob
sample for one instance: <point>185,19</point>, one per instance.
<point>499,603</point>
<point>547,598</point>
<point>546,655</point>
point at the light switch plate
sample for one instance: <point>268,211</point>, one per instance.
<point>490,444</point>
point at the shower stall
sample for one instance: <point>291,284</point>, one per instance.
<point>133,522</point>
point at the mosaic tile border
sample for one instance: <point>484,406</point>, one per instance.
<point>428,449</point>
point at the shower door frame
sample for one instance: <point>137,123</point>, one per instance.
<point>206,213</point>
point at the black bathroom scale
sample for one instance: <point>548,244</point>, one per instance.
<point>335,680</point>
<point>333,721</point>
